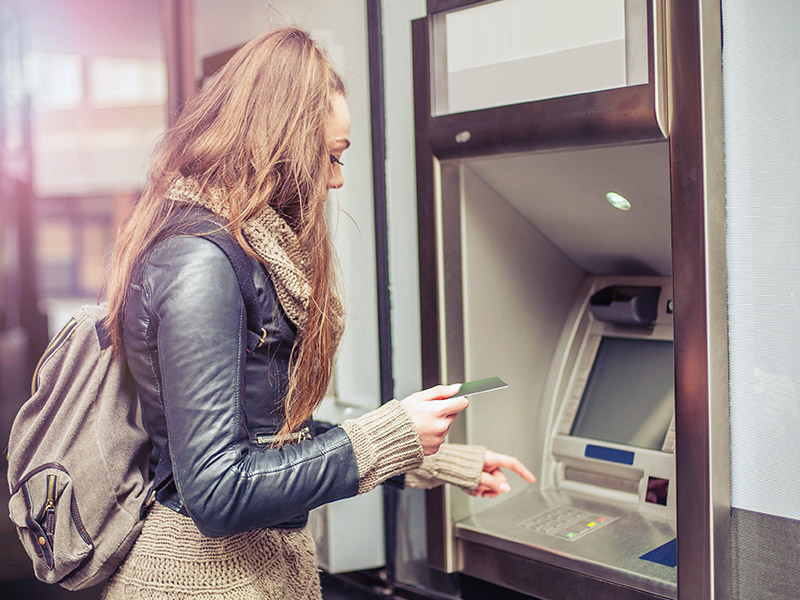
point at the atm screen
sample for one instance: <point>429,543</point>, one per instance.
<point>630,394</point>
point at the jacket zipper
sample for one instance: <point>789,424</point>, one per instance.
<point>303,434</point>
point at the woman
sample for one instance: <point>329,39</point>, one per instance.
<point>253,155</point>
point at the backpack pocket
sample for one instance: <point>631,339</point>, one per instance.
<point>44,508</point>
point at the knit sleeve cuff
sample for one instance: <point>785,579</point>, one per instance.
<point>457,464</point>
<point>385,443</point>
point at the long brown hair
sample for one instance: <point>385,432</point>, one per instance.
<point>256,131</point>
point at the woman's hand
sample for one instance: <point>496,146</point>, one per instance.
<point>493,481</point>
<point>432,412</point>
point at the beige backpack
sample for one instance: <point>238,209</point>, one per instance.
<point>78,456</point>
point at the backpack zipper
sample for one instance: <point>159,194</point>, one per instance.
<point>50,502</point>
<point>51,493</point>
<point>303,434</point>
<point>51,347</point>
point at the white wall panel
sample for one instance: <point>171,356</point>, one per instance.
<point>761,84</point>
<point>341,29</point>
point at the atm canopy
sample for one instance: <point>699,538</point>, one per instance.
<point>563,193</point>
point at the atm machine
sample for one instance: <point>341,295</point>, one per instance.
<point>529,271</point>
<point>604,505</point>
<point>570,301</point>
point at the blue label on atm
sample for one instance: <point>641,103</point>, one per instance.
<point>610,454</point>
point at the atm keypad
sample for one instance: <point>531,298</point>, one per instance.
<point>566,523</point>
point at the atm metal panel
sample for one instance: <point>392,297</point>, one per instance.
<point>612,553</point>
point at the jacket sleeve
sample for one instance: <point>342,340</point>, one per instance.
<point>192,294</point>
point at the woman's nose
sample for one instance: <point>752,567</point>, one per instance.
<point>335,181</point>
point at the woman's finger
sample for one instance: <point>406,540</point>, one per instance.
<point>438,392</point>
<point>509,462</point>
<point>494,484</point>
<point>500,476</point>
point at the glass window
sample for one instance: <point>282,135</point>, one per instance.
<point>127,82</point>
<point>56,80</point>
<point>514,51</point>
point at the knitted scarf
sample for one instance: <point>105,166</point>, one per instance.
<point>289,264</point>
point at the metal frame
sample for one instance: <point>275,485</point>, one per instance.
<point>628,114</point>
<point>694,125</point>
<point>701,345</point>
<point>606,117</point>
<point>378,128</point>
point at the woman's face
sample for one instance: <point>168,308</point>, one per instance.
<point>337,136</point>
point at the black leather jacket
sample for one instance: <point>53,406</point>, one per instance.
<point>184,331</point>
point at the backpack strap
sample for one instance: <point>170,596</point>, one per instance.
<point>243,268</point>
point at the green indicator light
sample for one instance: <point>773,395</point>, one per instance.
<point>570,535</point>
<point>618,201</point>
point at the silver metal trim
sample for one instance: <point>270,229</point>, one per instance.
<point>716,298</point>
<point>448,194</point>
<point>505,567</point>
<point>661,67</point>
<point>701,394</point>
<point>439,84</point>
<point>636,60</point>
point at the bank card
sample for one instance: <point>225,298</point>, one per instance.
<point>479,386</point>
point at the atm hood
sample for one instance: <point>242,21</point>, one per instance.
<point>563,194</point>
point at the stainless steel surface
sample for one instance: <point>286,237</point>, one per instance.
<point>716,299</point>
<point>636,31</point>
<point>610,553</point>
<point>450,304</point>
<point>606,117</point>
<point>701,417</point>
<point>440,97</point>
<point>661,68</point>
<point>540,579</point>
<point>563,194</point>
<point>451,281</point>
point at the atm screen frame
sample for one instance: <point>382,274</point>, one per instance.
<point>609,470</point>
<point>591,404</point>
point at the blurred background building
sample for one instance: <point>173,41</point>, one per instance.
<point>84,99</point>
<point>86,89</point>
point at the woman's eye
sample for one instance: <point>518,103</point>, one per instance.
<point>336,161</point>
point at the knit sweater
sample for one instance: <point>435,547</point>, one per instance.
<point>172,560</point>
<point>386,444</point>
